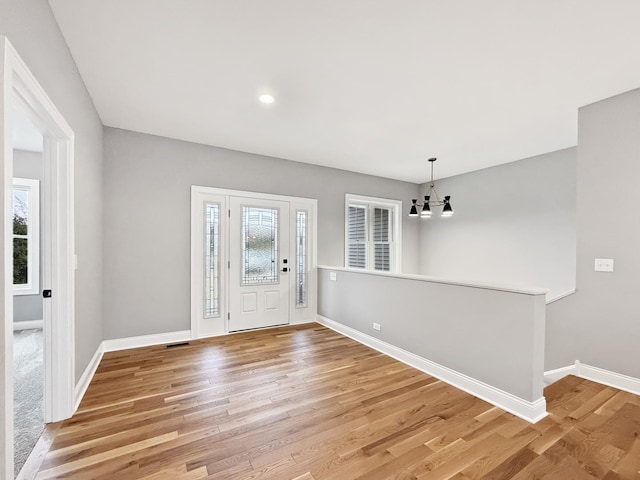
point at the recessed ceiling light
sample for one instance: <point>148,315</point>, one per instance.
<point>266,98</point>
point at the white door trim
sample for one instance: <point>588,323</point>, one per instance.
<point>19,87</point>
<point>217,327</point>
<point>221,326</point>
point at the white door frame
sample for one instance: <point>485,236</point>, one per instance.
<point>20,89</point>
<point>221,327</point>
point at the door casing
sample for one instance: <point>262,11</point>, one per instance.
<point>220,325</point>
<point>20,89</point>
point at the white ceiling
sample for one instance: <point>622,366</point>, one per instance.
<point>373,86</point>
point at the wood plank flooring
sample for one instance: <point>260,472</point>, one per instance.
<point>306,403</point>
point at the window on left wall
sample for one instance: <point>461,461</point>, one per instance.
<point>26,236</point>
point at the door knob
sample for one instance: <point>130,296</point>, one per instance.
<point>285,269</point>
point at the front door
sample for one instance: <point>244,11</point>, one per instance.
<point>259,263</point>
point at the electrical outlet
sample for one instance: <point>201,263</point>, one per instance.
<point>333,276</point>
<point>376,326</point>
<point>604,265</point>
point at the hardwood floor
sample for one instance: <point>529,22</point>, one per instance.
<point>306,403</point>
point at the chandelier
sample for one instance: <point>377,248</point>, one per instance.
<point>431,200</point>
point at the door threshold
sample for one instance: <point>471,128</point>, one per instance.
<point>35,459</point>
<point>261,328</point>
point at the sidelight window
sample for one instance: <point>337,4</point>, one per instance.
<point>212,261</point>
<point>301,258</point>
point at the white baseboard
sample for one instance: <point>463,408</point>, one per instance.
<point>28,325</point>
<point>145,340</point>
<point>552,376</point>
<point>123,344</point>
<point>87,375</point>
<point>529,411</point>
<point>596,374</point>
<point>606,377</point>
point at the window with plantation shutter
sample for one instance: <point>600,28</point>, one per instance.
<point>357,236</point>
<point>371,233</point>
<point>382,238</point>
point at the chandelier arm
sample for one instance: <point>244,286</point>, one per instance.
<point>433,192</point>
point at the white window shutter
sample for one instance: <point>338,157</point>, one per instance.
<point>382,238</point>
<point>357,236</point>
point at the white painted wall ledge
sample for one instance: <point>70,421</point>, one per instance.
<point>595,374</point>
<point>561,296</point>
<point>426,319</point>
<point>447,281</point>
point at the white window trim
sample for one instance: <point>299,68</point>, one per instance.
<point>370,202</point>
<point>32,287</point>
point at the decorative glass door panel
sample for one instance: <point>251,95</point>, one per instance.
<point>259,245</point>
<point>259,265</point>
<point>212,261</point>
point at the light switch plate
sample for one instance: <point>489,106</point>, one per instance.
<point>333,276</point>
<point>604,265</point>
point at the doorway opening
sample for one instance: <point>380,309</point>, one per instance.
<point>252,260</point>
<point>28,318</point>
<point>20,94</point>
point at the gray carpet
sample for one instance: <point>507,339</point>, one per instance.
<point>28,396</point>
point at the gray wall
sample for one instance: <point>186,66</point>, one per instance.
<point>493,336</point>
<point>514,224</point>
<point>28,165</point>
<point>147,219</point>
<point>31,27</point>
<point>600,324</point>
